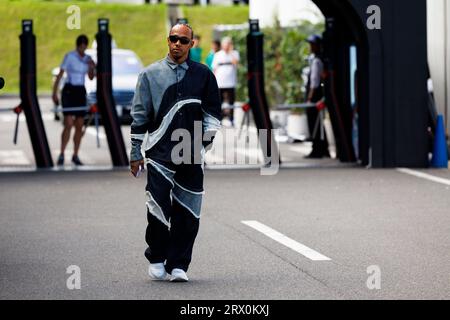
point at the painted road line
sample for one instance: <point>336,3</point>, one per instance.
<point>305,149</point>
<point>424,176</point>
<point>249,156</point>
<point>13,158</point>
<point>234,156</point>
<point>288,242</point>
<point>12,117</point>
<point>93,132</point>
<point>68,161</point>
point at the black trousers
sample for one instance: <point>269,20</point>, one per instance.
<point>175,245</point>
<point>319,147</point>
<point>173,212</point>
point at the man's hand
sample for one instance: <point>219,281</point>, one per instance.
<point>136,167</point>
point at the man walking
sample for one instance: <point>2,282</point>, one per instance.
<point>173,95</point>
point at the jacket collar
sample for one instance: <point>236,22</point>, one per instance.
<point>173,64</point>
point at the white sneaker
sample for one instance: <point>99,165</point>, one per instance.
<point>178,275</point>
<point>156,271</point>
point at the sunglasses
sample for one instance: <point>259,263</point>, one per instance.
<point>183,40</point>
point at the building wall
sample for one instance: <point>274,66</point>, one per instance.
<point>288,12</point>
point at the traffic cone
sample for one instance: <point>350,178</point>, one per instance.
<point>440,151</point>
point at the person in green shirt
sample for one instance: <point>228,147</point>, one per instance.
<point>195,53</point>
<point>215,46</point>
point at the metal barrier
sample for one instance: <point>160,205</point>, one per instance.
<point>320,105</point>
<point>91,109</point>
<point>282,107</point>
<point>17,110</point>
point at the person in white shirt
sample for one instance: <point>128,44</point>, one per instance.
<point>224,65</point>
<point>76,64</point>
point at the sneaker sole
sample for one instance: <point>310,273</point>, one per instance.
<point>157,279</point>
<point>153,278</point>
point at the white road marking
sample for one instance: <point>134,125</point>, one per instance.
<point>12,117</point>
<point>68,156</point>
<point>288,242</point>
<point>250,155</point>
<point>93,132</point>
<point>13,158</point>
<point>8,118</point>
<point>234,156</point>
<point>305,149</point>
<point>424,176</point>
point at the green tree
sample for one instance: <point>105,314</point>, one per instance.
<point>285,55</point>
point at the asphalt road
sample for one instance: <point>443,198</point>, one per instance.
<point>358,218</point>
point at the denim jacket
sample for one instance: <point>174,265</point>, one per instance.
<point>172,96</point>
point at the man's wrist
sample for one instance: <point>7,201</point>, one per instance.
<point>135,154</point>
<point>136,159</point>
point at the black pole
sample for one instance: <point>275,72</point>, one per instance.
<point>105,99</point>
<point>257,95</point>
<point>337,90</point>
<point>29,101</point>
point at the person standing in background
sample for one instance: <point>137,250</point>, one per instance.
<point>225,64</point>
<point>215,47</point>
<point>195,53</point>
<point>76,64</point>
